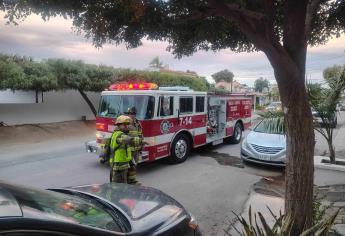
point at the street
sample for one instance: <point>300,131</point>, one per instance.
<point>209,190</point>
<point>211,184</point>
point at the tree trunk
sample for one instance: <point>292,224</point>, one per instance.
<point>93,109</point>
<point>331,151</point>
<point>300,164</point>
<point>300,150</point>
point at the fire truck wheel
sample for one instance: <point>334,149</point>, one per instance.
<point>237,135</point>
<point>180,149</point>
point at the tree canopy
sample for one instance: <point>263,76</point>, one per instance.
<point>156,63</point>
<point>333,73</point>
<point>53,74</point>
<point>223,75</point>
<point>23,73</point>
<point>186,24</point>
<point>260,84</point>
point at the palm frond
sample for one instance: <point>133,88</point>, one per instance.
<point>273,121</point>
<point>282,225</point>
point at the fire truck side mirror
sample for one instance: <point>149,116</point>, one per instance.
<point>178,114</point>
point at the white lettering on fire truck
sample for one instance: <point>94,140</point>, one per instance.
<point>233,108</point>
<point>186,120</point>
<point>162,148</point>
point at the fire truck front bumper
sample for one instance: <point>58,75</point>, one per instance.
<point>94,147</point>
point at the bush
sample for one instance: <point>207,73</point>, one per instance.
<point>282,225</point>
<point>162,79</point>
<point>24,73</point>
<point>258,107</point>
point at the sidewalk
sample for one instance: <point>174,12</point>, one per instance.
<point>35,133</point>
<point>30,140</point>
<point>339,139</point>
<point>321,147</point>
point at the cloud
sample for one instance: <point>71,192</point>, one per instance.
<point>56,39</point>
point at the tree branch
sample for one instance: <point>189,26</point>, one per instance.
<point>251,23</point>
<point>233,12</point>
<point>259,29</point>
<point>321,131</point>
<point>87,100</point>
<point>294,39</point>
<point>312,8</point>
<point>236,9</point>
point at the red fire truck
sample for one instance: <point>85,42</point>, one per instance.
<point>174,119</point>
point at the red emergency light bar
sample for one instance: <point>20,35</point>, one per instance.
<point>134,86</point>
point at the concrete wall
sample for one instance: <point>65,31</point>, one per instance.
<point>56,107</point>
<point>18,96</point>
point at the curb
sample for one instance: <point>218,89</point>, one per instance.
<point>318,164</point>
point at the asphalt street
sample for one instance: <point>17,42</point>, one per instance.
<point>207,188</point>
<point>211,184</point>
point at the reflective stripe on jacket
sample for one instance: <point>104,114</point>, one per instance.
<point>135,130</point>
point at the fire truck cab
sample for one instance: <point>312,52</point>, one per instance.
<point>174,120</point>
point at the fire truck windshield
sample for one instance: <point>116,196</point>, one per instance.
<point>115,105</point>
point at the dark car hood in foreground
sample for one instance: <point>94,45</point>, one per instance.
<point>146,208</point>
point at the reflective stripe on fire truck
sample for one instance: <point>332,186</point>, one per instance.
<point>164,138</point>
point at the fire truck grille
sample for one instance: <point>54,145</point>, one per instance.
<point>266,150</point>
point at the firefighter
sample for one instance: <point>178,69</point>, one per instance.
<point>135,130</point>
<point>121,146</point>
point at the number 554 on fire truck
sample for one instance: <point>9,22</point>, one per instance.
<point>174,119</point>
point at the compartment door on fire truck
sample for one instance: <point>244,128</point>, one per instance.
<point>165,113</point>
<point>186,104</point>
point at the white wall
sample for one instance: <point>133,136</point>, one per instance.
<point>18,96</point>
<point>56,107</point>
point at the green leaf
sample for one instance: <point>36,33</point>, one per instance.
<point>267,228</point>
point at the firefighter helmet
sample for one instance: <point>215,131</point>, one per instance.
<point>123,120</point>
<point>131,111</point>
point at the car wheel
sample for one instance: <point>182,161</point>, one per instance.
<point>237,135</point>
<point>180,149</point>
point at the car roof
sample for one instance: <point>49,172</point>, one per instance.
<point>9,206</point>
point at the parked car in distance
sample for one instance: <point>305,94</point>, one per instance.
<point>107,209</point>
<point>264,146</point>
<point>333,121</point>
<point>341,106</point>
<point>274,106</point>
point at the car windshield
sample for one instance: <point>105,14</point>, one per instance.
<point>275,104</point>
<point>266,126</point>
<point>65,207</point>
<point>114,105</point>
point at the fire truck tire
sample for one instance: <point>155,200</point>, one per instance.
<point>237,135</point>
<point>180,149</point>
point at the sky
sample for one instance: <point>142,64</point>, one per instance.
<point>56,39</point>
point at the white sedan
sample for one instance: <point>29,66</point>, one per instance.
<point>264,146</point>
